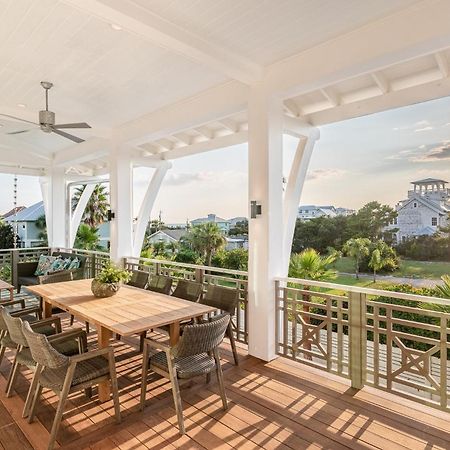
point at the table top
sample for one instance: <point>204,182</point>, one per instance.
<point>5,285</point>
<point>130,311</point>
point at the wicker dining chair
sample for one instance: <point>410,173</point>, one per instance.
<point>69,343</point>
<point>66,374</point>
<point>225,299</point>
<point>30,313</point>
<point>188,290</point>
<point>196,353</point>
<point>139,279</point>
<point>160,283</point>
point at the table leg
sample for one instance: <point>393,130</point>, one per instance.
<point>11,294</point>
<point>174,333</point>
<point>104,388</point>
<point>46,309</point>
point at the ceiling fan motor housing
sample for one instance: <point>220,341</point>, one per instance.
<point>46,119</point>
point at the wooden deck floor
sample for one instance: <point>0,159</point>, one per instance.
<point>277,405</point>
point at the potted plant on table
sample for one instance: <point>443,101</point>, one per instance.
<point>108,281</point>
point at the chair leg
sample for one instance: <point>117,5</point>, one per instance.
<point>233,344</point>
<point>12,377</point>
<point>114,386</point>
<point>87,327</point>
<point>31,392</point>
<point>36,397</point>
<point>176,395</point>
<point>145,365</point>
<point>71,319</point>
<point>219,374</point>
<point>142,336</point>
<point>2,353</point>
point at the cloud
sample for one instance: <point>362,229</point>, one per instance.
<point>185,178</point>
<point>324,174</point>
<point>439,152</point>
<point>418,130</point>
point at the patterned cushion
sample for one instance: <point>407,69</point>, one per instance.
<point>57,265</point>
<point>44,264</point>
<point>75,264</point>
<point>67,262</point>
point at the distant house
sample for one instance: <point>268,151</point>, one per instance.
<point>235,220</point>
<point>29,233</point>
<point>12,212</point>
<point>26,227</point>
<point>308,212</point>
<point>223,224</point>
<point>167,236</point>
<point>424,211</point>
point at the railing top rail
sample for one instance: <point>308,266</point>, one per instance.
<point>89,252</point>
<point>188,266</point>
<point>367,291</point>
<point>22,249</point>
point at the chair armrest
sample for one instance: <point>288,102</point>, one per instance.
<point>30,310</point>
<point>26,269</point>
<point>107,351</point>
<point>157,345</point>
<point>51,320</point>
<point>14,302</point>
<point>69,335</point>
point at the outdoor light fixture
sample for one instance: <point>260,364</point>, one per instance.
<point>255,209</point>
<point>111,215</point>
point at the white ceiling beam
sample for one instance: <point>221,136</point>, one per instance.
<point>291,107</point>
<point>13,143</point>
<point>393,99</point>
<point>381,81</point>
<point>443,64</point>
<point>138,20</point>
<point>204,132</point>
<point>82,153</point>
<point>299,128</point>
<point>331,96</point>
<point>149,161</point>
<point>16,158</point>
<point>210,105</point>
<point>206,146</point>
<point>229,124</point>
<point>383,42</point>
<point>22,170</point>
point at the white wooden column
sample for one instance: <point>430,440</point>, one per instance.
<point>294,188</point>
<point>121,200</point>
<point>265,114</point>
<point>147,206</point>
<point>53,188</point>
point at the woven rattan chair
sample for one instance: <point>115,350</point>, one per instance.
<point>139,279</point>
<point>64,374</point>
<point>31,314</point>
<point>160,283</point>
<point>197,353</point>
<point>225,299</point>
<point>188,290</point>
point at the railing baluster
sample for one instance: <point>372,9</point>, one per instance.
<point>443,361</point>
<point>357,338</point>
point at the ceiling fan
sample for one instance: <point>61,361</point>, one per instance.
<point>47,120</point>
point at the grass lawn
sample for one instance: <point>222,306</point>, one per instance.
<point>408,268</point>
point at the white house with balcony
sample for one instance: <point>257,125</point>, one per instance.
<point>424,211</point>
<point>308,212</point>
<point>223,224</point>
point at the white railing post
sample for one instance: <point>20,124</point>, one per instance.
<point>357,338</point>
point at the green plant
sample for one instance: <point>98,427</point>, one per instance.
<point>111,273</point>
<point>205,239</point>
<point>357,248</point>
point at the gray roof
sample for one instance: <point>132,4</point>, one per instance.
<point>29,214</point>
<point>429,180</point>
<point>174,234</point>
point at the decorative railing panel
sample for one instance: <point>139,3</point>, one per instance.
<point>94,260</point>
<point>393,341</point>
<point>206,275</point>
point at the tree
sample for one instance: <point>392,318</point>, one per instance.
<point>188,256</point>
<point>96,211</point>
<point>382,256</point>
<point>241,228</point>
<point>87,238</point>
<point>205,239</point>
<point>7,235</point>
<point>357,248</point>
<point>41,225</point>
<point>236,259</point>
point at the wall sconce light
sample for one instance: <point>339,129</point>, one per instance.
<point>111,215</point>
<point>255,209</point>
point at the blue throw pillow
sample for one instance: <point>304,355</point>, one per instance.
<point>44,264</point>
<point>57,265</point>
<point>75,263</point>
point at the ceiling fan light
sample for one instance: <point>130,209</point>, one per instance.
<point>116,27</point>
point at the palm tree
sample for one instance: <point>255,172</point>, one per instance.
<point>97,207</point>
<point>357,248</point>
<point>87,238</point>
<point>376,263</point>
<point>41,225</point>
<point>206,239</point>
<point>381,256</point>
<point>309,264</point>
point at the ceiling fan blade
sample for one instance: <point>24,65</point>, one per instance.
<point>18,118</point>
<point>67,135</point>
<point>72,125</point>
<point>19,132</point>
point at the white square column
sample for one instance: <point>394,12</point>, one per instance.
<point>265,163</point>
<point>54,193</point>
<point>121,200</point>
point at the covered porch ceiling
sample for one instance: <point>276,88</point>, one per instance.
<point>163,80</point>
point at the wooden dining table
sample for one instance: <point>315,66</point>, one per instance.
<point>131,311</point>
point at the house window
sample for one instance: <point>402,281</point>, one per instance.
<point>414,205</point>
<point>403,238</point>
<point>395,221</point>
<point>434,221</point>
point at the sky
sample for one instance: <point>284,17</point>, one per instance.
<point>356,161</point>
